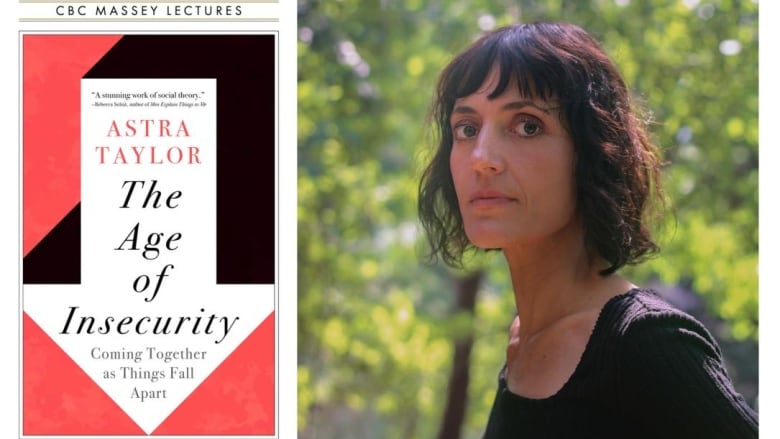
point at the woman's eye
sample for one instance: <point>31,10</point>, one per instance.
<point>465,131</point>
<point>528,127</point>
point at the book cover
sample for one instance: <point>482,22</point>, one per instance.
<point>149,234</point>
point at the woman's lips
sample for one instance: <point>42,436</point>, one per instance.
<point>490,198</point>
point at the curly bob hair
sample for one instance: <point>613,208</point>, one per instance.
<point>617,167</point>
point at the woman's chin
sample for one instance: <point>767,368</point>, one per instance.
<point>487,241</point>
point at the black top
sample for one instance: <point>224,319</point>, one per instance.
<point>648,371</point>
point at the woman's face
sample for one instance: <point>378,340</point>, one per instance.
<point>512,163</point>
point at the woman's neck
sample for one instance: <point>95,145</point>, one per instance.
<point>556,278</point>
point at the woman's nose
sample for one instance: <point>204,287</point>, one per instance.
<point>486,155</point>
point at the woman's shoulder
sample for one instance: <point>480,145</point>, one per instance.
<point>643,316</point>
<point>639,303</point>
<point>670,370</point>
<point>642,306</point>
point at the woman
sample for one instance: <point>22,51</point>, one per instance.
<point>542,156</point>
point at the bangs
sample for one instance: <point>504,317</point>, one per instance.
<point>533,68</point>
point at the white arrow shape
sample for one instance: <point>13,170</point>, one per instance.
<point>149,323</point>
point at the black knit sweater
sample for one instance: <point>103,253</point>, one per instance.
<point>648,371</point>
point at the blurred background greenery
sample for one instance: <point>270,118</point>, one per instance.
<point>391,347</point>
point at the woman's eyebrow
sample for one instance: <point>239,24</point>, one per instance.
<point>463,109</point>
<point>516,105</point>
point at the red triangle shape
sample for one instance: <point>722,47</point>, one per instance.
<point>238,398</point>
<point>52,69</point>
<point>58,398</point>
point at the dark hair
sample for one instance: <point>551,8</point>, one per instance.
<point>617,167</point>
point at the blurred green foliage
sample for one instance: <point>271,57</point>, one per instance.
<point>375,328</point>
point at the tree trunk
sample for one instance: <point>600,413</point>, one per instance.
<point>454,413</point>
